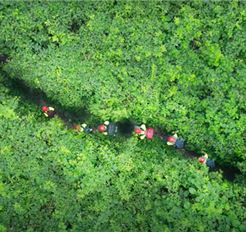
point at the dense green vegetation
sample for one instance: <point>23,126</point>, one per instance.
<point>172,64</point>
<point>54,179</point>
<point>176,64</point>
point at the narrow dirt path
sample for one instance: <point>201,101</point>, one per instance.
<point>72,115</point>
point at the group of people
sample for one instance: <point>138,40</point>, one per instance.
<point>142,132</point>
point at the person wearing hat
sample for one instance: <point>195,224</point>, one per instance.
<point>206,161</point>
<point>143,132</point>
<point>82,128</point>
<point>48,111</point>
<point>108,128</point>
<point>174,140</point>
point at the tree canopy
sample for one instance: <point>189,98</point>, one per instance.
<point>177,64</point>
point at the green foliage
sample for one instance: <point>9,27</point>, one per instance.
<point>54,179</point>
<point>176,64</point>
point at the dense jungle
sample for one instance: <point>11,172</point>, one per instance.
<point>171,65</point>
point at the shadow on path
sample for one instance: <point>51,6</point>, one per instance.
<point>75,115</point>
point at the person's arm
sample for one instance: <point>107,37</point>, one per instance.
<point>175,135</point>
<point>143,127</point>
<point>142,136</point>
<point>170,143</point>
<point>83,126</point>
<point>205,155</point>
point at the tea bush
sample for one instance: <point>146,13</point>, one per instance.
<point>54,179</point>
<point>176,64</point>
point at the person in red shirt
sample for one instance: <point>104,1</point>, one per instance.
<point>174,140</point>
<point>206,161</point>
<point>48,111</point>
<point>144,132</point>
<point>108,128</point>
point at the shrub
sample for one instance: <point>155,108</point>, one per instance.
<point>54,179</point>
<point>175,64</point>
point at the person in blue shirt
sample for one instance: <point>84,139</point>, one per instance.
<point>206,161</point>
<point>174,140</point>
